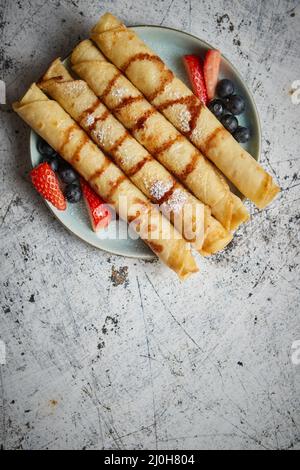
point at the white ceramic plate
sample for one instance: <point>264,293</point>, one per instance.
<point>170,45</point>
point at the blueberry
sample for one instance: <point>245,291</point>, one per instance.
<point>73,193</point>
<point>216,107</point>
<point>76,182</point>
<point>67,174</point>
<point>236,104</point>
<point>45,149</point>
<point>230,122</point>
<point>242,134</point>
<point>225,88</point>
<point>53,162</point>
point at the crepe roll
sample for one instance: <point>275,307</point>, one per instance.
<point>48,119</point>
<point>158,135</point>
<point>177,102</point>
<point>190,217</point>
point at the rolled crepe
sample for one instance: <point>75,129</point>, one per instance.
<point>52,123</point>
<point>158,135</point>
<point>176,101</point>
<point>190,217</point>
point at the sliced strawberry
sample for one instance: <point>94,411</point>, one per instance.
<point>194,69</point>
<point>99,213</point>
<point>211,70</point>
<point>46,183</point>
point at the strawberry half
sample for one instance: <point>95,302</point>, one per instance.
<point>99,213</point>
<point>46,183</point>
<point>194,69</point>
<point>211,70</point>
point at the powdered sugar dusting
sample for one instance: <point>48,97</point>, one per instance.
<point>170,94</point>
<point>100,135</point>
<point>184,120</point>
<point>125,157</point>
<point>176,201</point>
<point>197,134</point>
<point>76,86</point>
<point>89,120</point>
<point>103,136</point>
<point>119,92</point>
<point>159,188</point>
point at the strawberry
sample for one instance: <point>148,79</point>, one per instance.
<point>211,70</point>
<point>47,184</point>
<point>99,213</point>
<point>194,69</point>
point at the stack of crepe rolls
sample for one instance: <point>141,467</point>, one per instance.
<point>192,219</point>
<point>176,101</point>
<point>48,119</point>
<point>158,135</point>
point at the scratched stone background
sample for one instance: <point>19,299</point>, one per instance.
<point>114,353</point>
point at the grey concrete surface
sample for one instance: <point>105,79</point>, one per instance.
<point>114,353</point>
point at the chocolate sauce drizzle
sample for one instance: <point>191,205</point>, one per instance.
<point>142,56</point>
<point>209,141</point>
<point>100,171</point>
<point>76,156</point>
<point>168,194</point>
<point>67,137</point>
<point>139,166</point>
<point>142,120</point>
<point>114,186</point>
<point>127,102</point>
<point>167,145</point>
<point>190,166</point>
<point>118,143</point>
<point>193,105</point>
<point>110,84</point>
<point>165,82</point>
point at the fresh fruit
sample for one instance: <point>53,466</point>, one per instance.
<point>211,70</point>
<point>194,70</point>
<point>53,162</point>
<point>73,193</point>
<point>242,134</point>
<point>230,122</point>
<point>76,182</point>
<point>67,174</point>
<point>99,213</point>
<point>225,88</point>
<point>45,149</point>
<point>46,183</point>
<point>229,106</point>
<point>217,107</point>
<point>236,104</point>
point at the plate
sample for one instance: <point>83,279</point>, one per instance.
<point>170,45</point>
